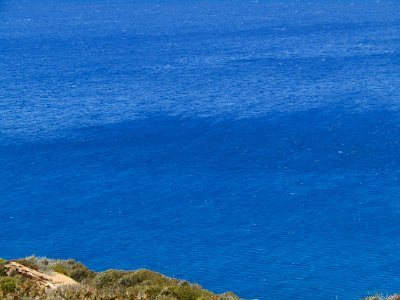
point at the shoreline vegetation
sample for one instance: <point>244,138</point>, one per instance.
<point>379,297</point>
<point>43,278</point>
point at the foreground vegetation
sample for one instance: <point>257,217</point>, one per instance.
<point>379,297</point>
<point>109,285</point>
<point>140,284</point>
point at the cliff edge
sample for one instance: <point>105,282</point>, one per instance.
<point>45,279</point>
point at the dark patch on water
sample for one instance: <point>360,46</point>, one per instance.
<point>291,195</point>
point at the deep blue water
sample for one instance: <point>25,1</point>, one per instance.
<point>250,146</point>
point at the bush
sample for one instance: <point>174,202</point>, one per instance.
<point>228,296</point>
<point>7,284</point>
<point>111,284</point>
<point>108,278</point>
<point>30,262</point>
<point>70,268</point>
<point>80,274</point>
<point>59,268</point>
<point>186,293</point>
<point>142,276</point>
<point>78,271</point>
<point>2,267</point>
<point>153,291</point>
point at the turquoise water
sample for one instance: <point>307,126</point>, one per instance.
<point>250,146</point>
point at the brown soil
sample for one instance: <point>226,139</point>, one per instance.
<point>50,280</point>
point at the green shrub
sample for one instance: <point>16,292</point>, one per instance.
<point>2,267</point>
<point>228,296</point>
<point>59,268</point>
<point>70,267</point>
<point>7,284</point>
<point>186,293</point>
<point>108,278</point>
<point>149,292</point>
<point>30,262</point>
<point>111,284</point>
<point>153,291</point>
<point>80,274</point>
<point>142,276</point>
<point>78,271</point>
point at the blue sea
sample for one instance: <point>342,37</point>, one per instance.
<point>251,146</point>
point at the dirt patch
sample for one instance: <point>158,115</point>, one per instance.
<point>50,280</point>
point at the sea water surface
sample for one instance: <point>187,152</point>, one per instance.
<point>250,146</point>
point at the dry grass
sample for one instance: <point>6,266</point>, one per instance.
<point>109,285</point>
<point>380,297</point>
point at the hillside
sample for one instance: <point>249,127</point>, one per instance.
<point>42,278</point>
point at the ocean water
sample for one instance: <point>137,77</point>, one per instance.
<point>250,146</point>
